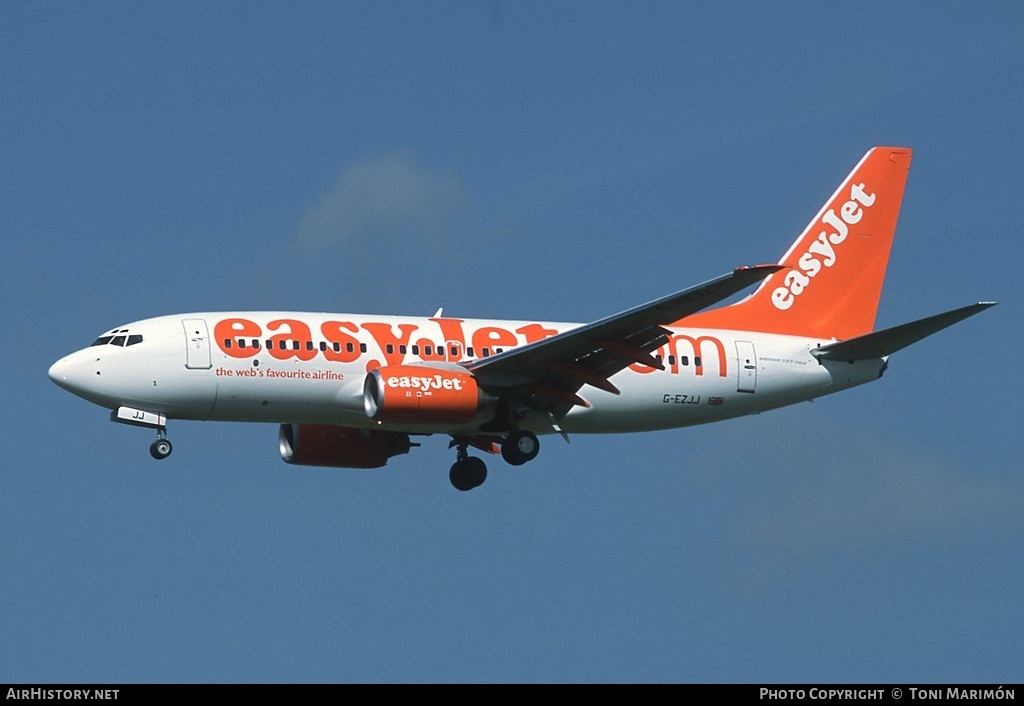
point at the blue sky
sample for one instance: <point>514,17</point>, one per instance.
<point>527,160</point>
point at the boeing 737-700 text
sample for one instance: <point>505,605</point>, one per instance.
<point>352,391</point>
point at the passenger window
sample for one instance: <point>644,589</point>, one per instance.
<point>227,342</point>
<point>696,361</point>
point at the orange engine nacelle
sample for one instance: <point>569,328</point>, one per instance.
<point>339,447</point>
<point>415,394</point>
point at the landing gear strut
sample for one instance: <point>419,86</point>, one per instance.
<point>467,472</point>
<point>161,448</point>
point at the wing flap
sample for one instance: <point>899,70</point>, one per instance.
<point>583,375</point>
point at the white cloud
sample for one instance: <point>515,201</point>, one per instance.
<point>384,199</point>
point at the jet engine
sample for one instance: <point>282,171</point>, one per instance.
<point>417,394</point>
<point>339,447</point>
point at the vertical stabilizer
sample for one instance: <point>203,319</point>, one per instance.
<point>834,272</point>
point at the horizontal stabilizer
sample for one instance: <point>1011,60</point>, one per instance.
<point>890,340</point>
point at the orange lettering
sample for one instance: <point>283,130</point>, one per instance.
<point>428,351</point>
<point>384,335</point>
<point>296,342</point>
<point>492,337</point>
<point>451,331</point>
<point>696,345</point>
<point>347,346</point>
<point>535,332</point>
<point>233,329</point>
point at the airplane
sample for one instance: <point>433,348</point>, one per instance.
<point>352,391</point>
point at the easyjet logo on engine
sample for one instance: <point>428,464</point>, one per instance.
<point>417,382</point>
<point>416,395</point>
<point>822,252</point>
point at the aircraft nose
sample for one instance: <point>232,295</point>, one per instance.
<point>69,373</point>
<point>59,372</point>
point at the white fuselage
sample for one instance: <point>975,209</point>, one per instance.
<point>288,367</point>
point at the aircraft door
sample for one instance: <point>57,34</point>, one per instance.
<point>746,360</point>
<point>197,344</point>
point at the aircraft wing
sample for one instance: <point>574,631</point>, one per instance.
<point>887,341</point>
<point>555,368</point>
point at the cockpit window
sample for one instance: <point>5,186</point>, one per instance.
<point>118,340</point>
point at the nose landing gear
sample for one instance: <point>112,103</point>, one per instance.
<point>161,448</point>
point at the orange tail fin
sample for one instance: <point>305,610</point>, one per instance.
<point>835,269</point>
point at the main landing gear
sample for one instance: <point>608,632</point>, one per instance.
<point>470,472</point>
<point>467,472</point>
<point>520,447</point>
